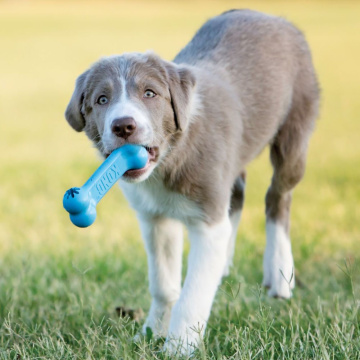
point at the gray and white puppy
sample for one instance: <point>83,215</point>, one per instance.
<point>244,81</point>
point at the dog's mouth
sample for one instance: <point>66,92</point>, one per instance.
<point>153,155</point>
<point>136,173</point>
<point>153,152</point>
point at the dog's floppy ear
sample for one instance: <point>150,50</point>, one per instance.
<point>181,84</point>
<point>74,114</point>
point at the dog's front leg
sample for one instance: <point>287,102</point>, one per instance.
<point>164,243</point>
<point>206,263</point>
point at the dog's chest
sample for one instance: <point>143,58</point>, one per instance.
<point>152,198</point>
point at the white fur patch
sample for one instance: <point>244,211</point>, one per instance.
<point>152,198</point>
<point>206,264</point>
<point>279,271</point>
<point>124,107</point>
<point>235,220</point>
<point>195,106</point>
<point>164,244</point>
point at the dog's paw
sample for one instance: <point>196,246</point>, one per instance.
<point>184,346</point>
<point>138,338</point>
<point>279,271</point>
<point>282,288</point>
<point>279,278</point>
<point>146,334</point>
<point>158,319</point>
<point>185,336</point>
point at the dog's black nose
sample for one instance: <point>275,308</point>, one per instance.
<point>123,127</point>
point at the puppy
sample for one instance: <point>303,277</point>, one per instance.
<point>245,80</point>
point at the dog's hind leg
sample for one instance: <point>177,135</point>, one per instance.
<point>288,157</point>
<point>236,205</point>
<point>164,244</point>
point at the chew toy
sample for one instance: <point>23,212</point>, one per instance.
<point>81,202</point>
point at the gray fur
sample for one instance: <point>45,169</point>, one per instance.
<point>74,113</point>
<point>238,194</point>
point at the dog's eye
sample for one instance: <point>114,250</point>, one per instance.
<point>149,94</point>
<point>102,100</point>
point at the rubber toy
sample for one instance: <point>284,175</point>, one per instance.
<point>81,202</point>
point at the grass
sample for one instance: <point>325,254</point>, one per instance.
<point>59,285</point>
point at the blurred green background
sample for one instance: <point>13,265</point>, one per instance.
<point>45,45</point>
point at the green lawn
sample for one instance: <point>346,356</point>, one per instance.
<point>60,285</point>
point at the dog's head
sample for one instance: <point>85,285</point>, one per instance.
<point>133,98</point>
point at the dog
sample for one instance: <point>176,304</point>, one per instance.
<point>244,81</point>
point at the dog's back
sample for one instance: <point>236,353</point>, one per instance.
<point>267,62</point>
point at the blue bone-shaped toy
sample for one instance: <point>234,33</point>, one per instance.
<point>81,202</point>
